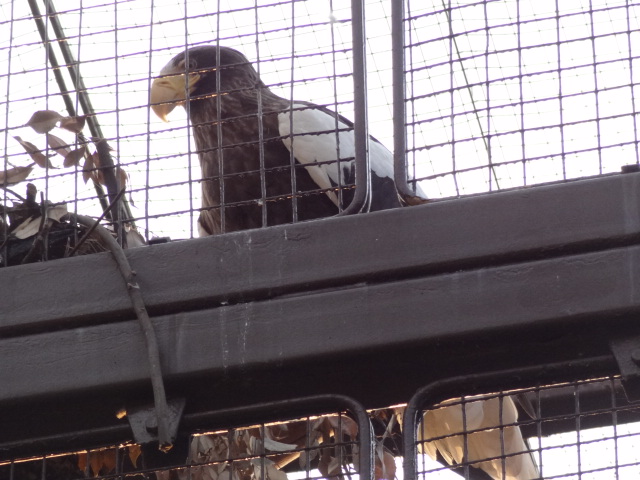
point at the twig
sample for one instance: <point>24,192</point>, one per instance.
<point>17,195</point>
<point>153,351</point>
<point>93,226</point>
<point>37,248</point>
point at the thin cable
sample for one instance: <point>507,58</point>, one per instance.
<point>447,12</point>
<point>153,351</point>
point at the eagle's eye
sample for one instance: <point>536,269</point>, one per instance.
<point>192,64</point>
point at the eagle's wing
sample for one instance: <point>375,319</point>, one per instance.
<point>324,143</point>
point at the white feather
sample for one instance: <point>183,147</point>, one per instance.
<point>310,147</point>
<point>501,444</point>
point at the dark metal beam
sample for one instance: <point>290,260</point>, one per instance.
<point>260,264</point>
<point>600,288</point>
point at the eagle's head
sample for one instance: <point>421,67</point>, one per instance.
<point>199,73</point>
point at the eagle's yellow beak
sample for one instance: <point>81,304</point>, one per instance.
<point>170,90</point>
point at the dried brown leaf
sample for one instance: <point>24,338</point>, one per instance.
<point>35,154</point>
<point>28,228</point>
<point>274,446</point>
<point>302,460</point>
<point>57,212</point>
<point>131,201</point>
<point>73,124</point>
<point>15,175</point>
<point>385,465</point>
<point>255,446</point>
<point>82,461</point>
<point>349,427</point>
<point>87,168</point>
<point>134,453</point>
<point>96,159</point>
<point>91,171</point>
<point>122,176</point>
<point>270,470</point>
<point>208,448</point>
<point>94,171</point>
<point>31,226</point>
<point>74,156</point>
<point>329,466</point>
<point>98,177</point>
<point>97,460</point>
<point>60,146</point>
<point>105,459</point>
<point>44,120</point>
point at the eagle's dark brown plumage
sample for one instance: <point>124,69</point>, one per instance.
<point>251,146</point>
<point>244,155</point>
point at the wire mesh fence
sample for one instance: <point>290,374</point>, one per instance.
<point>312,447</point>
<point>508,94</point>
<point>497,95</point>
<point>581,429</point>
<point>114,50</point>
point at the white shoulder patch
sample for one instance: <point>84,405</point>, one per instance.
<point>314,140</point>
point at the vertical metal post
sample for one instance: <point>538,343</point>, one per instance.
<point>362,197</point>
<point>399,110</point>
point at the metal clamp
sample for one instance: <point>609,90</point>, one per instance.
<point>627,354</point>
<point>144,421</point>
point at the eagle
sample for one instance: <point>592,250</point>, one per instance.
<point>265,160</point>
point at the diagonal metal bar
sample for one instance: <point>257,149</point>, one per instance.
<point>81,90</point>
<point>87,107</point>
<point>64,91</point>
<point>74,71</point>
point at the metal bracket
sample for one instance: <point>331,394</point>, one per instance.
<point>627,354</point>
<point>144,421</point>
